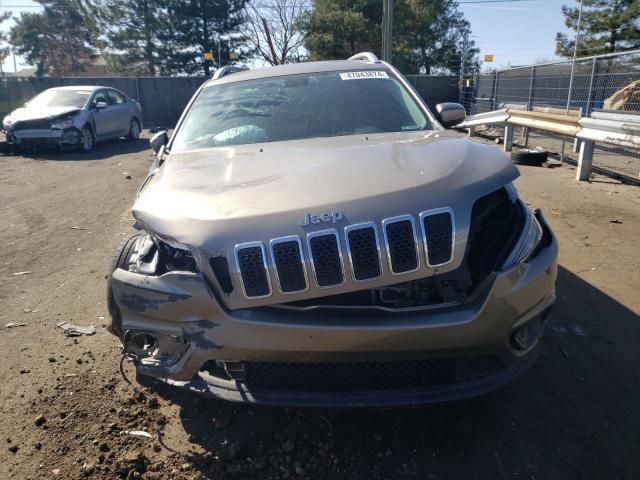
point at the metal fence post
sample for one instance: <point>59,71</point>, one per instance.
<point>473,106</point>
<point>525,130</point>
<point>508,138</point>
<point>494,93</point>
<point>592,81</point>
<point>585,160</point>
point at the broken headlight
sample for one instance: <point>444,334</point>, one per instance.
<point>155,256</point>
<point>532,238</point>
<point>62,124</point>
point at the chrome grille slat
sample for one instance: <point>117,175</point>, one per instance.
<point>289,264</point>
<point>251,261</point>
<point>438,233</point>
<point>363,250</point>
<point>325,255</point>
<point>401,240</point>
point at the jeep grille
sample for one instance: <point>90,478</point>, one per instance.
<point>363,251</point>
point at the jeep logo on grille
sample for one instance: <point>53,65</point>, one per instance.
<point>333,216</point>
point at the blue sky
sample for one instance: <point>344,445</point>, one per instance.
<point>516,32</point>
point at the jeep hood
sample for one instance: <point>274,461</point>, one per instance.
<point>217,197</point>
<point>26,113</point>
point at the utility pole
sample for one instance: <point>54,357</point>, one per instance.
<point>15,64</point>
<point>387,29</point>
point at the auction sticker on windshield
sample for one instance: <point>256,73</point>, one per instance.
<point>363,75</point>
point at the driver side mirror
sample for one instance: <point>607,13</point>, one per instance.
<point>159,140</point>
<point>101,105</point>
<point>450,114</point>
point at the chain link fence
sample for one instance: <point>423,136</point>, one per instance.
<point>603,82</point>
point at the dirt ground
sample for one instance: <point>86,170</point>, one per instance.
<point>65,407</point>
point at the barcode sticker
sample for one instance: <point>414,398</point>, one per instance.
<point>363,75</point>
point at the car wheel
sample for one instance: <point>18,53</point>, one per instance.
<point>86,139</point>
<point>529,156</point>
<point>134,130</point>
<point>120,259</point>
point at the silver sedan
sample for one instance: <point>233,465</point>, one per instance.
<point>74,117</point>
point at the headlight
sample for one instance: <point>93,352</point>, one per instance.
<point>155,256</point>
<point>7,123</point>
<point>531,240</point>
<point>62,124</point>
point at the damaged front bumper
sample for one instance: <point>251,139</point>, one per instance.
<point>44,138</point>
<point>178,332</point>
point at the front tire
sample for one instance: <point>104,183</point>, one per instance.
<point>134,130</point>
<point>120,259</point>
<point>86,139</point>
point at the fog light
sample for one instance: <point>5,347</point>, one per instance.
<point>143,341</point>
<point>153,349</point>
<point>528,335</point>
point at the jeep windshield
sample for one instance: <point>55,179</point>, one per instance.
<point>295,107</point>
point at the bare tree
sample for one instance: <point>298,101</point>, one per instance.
<point>271,28</point>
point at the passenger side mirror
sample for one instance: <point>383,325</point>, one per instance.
<point>450,114</point>
<point>159,140</point>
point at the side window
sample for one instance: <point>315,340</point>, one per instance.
<point>101,96</point>
<point>116,98</point>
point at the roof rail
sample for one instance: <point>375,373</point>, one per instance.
<point>226,70</point>
<point>365,57</point>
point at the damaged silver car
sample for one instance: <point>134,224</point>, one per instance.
<point>311,235</point>
<point>74,117</point>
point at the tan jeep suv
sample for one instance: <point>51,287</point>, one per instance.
<point>312,235</point>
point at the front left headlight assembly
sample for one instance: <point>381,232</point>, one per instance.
<point>62,124</point>
<point>532,239</point>
<point>155,256</point>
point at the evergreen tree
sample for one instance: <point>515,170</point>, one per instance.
<point>428,35</point>
<point>432,37</point>
<point>606,26</point>
<point>136,34</point>
<point>200,26</point>
<point>59,41</point>
<point>337,29</point>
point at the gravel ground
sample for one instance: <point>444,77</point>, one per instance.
<point>67,411</point>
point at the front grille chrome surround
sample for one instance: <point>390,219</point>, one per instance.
<point>295,264</point>
<point>385,225</point>
<point>425,234</point>
<point>363,226</point>
<point>322,233</point>
<point>291,238</point>
<point>236,253</point>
